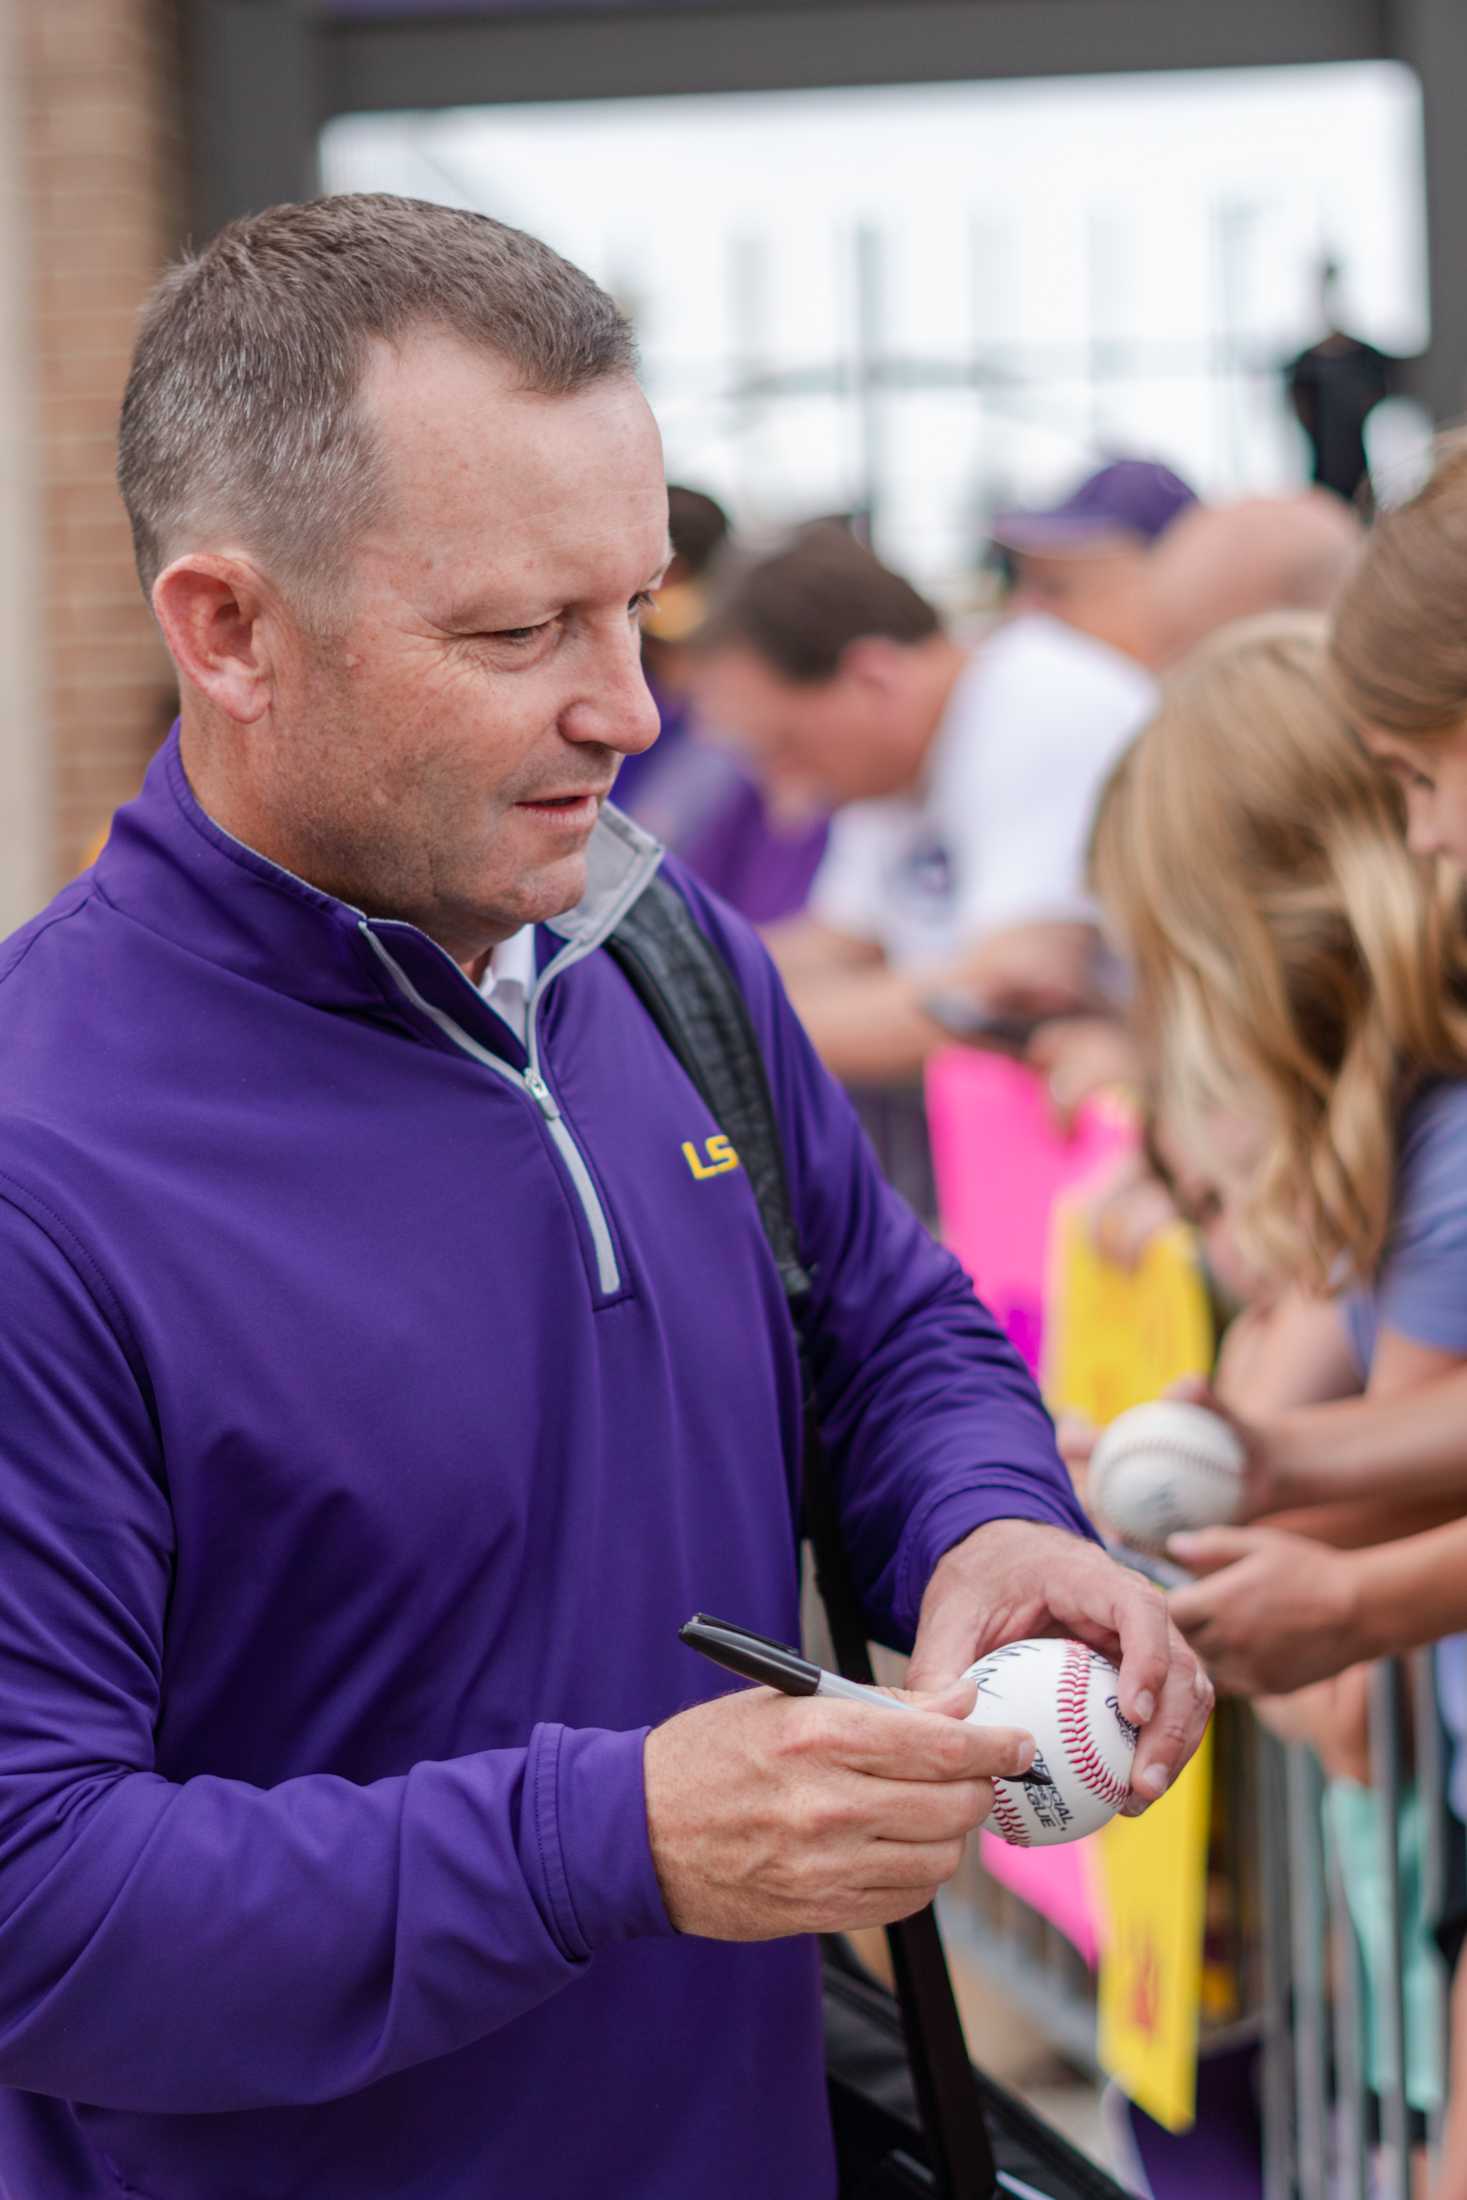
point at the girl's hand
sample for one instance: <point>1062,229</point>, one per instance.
<point>1274,1611</point>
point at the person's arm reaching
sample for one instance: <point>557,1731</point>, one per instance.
<point>807,951</point>
<point>869,1027</point>
<point>1402,1444</point>
<point>1251,1618</point>
<point>1416,1447</point>
<point>1273,1611</point>
<point>872,1026</point>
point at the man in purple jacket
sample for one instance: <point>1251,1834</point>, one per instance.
<point>389,1364</point>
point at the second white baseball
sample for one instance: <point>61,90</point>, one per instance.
<point>1166,1466</point>
<point>1067,1696</point>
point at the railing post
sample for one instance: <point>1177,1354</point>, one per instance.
<point>1273,1878</point>
<point>1352,2170</point>
<point>1303,1789</point>
<point>1430,1758</point>
<point>1394,2181</point>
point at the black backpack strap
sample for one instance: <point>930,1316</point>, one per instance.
<point>697,1004</point>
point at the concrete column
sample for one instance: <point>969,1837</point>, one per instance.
<point>25,828</point>
<point>1431,35</point>
<point>101,82</point>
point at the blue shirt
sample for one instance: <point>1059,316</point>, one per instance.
<point>1420,1291</point>
<point>1420,1287</point>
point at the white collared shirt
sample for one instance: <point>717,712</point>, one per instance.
<point>996,834</point>
<point>508,978</point>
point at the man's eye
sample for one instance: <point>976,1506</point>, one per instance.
<point>643,601</point>
<point>516,636</point>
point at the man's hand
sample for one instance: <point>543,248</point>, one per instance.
<point>773,1814</point>
<point>1275,1611</point>
<point>1013,1578</point>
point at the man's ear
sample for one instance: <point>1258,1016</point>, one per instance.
<point>875,661</point>
<point>212,611</point>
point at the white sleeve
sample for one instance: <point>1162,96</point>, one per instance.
<point>851,889</point>
<point>1050,711</point>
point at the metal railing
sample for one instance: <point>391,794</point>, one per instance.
<point>1352,2039</point>
<point>1359,2061</point>
<point>1319,1943</point>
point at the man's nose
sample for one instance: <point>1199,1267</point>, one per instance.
<point>617,710</point>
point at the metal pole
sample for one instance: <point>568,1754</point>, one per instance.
<point>1385,1761</point>
<point>870,337</point>
<point>1233,225</point>
<point>986,265</point>
<point>748,312</point>
<point>1103,263</point>
<point>1273,1879</point>
<point>1431,1789</point>
<point>1307,1937</point>
<point>1352,2172</point>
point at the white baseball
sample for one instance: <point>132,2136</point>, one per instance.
<point>1166,1466</point>
<point>1066,1696</point>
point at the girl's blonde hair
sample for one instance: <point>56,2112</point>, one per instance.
<point>1293,961</point>
<point>1398,650</point>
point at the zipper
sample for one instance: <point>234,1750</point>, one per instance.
<point>532,1083</point>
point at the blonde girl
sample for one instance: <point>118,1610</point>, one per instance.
<point>1399,654</point>
<point>1301,989</point>
<point>1295,967</point>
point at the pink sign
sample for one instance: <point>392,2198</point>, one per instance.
<point>1000,1163</point>
<point>1060,1883</point>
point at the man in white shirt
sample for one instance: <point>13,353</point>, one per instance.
<point>963,782</point>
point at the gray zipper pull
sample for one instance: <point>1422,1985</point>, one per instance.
<point>544,1097</point>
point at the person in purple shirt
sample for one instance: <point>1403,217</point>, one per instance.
<point>385,1372</point>
<point>689,789</point>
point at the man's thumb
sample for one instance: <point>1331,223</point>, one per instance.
<point>954,1700</point>
<point>943,1649</point>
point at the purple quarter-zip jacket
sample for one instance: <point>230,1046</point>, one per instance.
<point>375,1403</point>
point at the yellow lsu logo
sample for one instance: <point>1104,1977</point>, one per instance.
<point>716,1159</point>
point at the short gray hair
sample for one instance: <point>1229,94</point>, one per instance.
<point>241,407</point>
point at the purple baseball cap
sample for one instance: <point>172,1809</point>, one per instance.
<point>1134,496</point>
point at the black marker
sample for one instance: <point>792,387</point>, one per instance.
<point>775,1665</point>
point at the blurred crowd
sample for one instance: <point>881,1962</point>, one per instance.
<point>1183,813</point>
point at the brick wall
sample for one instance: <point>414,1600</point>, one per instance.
<point>102,86</point>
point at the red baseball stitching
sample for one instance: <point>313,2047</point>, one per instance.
<point>1086,1761</point>
<point>1009,1820</point>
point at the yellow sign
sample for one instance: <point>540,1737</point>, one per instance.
<point>1117,1337</point>
<point>1153,1878</point>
